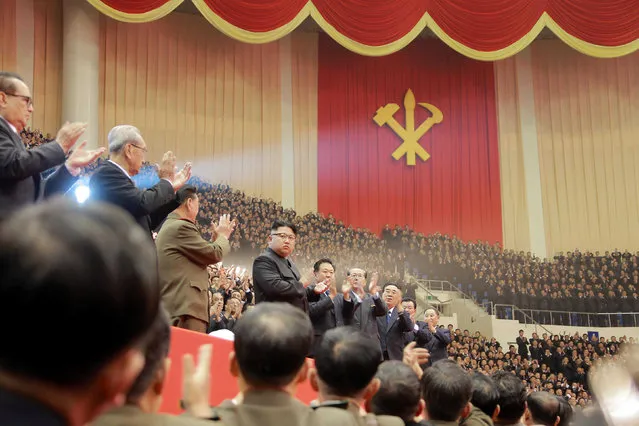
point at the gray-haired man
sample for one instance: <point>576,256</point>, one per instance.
<point>112,182</point>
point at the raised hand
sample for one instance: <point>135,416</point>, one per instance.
<point>180,179</point>
<point>166,168</point>
<point>196,382</point>
<point>373,287</point>
<point>320,287</point>
<point>307,277</point>
<point>225,226</point>
<point>81,157</point>
<point>414,357</point>
<point>69,134</point>
<point>346,289</point>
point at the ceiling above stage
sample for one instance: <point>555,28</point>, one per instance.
<point>487,30</point>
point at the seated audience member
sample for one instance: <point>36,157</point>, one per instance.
<point>544,409</point>
<point>446,389</point>
<point>485,402</point>
<point>512,399</point>
<point>399,393</point>
<point>92,269</point>
<point>145,396</point>
<point>269,361</point>
<point>344,375</point>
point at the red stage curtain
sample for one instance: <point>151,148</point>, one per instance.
<point>457,190</point>
<point>135,6</point>
<point>257,15</point>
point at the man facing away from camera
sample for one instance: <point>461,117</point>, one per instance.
<point>183,258</point>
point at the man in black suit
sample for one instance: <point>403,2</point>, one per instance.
<point>275,277</point>
<point>522,345</point>
<point>432,337</point>
<point>322,311</point>
<point>21,182</point>
<point>394,324</point>
<point>368,306</point>
<point>112,182</point>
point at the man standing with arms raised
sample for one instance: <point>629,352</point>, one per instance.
<point>276,278</point>
<point>183,258</point>
<point>368,305</point>
<point>21,182</point>
<point>112,182</point>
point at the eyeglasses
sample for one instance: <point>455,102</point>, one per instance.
<point>139,147</point>
<point>285,237</point>
<point>357,275</point>
<point>27,99</point>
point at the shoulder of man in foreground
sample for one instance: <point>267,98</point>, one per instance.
<point>128,415</point>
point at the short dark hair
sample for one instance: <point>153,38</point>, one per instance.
<point>399,393</point>
<point>90,267</point>
<point>156,349</point>
<point>446,389</point>
<point>347,360</point>
<point>185,193</point>
<point>281,223</point>
<point>8,81</point>
<point>545,408</point>
<point>512,395</point>
<point>408,299</point>
<point>320,262</point>
<point>393,284</point>
<point>485,393</point>
<point>271,343</point>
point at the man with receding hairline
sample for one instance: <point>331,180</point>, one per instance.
<point>21,181</point>
<point>112,183</point>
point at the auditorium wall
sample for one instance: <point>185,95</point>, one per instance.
<point>220,103</point>
<point>588,133</point>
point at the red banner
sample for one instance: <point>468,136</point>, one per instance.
<point>223,384</point>
<point>366,114</point>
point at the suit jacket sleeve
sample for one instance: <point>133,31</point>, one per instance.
<point>59,182</point>
<point>348,310</point>
<point>379,309</point>
<point>197,249</point>
<point>423,335</point>
<point>317,309</point>
<point>18,164</point>
<point>120,190</point>
<point>405,324</point>
<point>443,336</point>
<point>265,273</point>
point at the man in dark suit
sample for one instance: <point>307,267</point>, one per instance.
<point>368,306</point>
<point>112,182</point>
<point>91,268</point>
<point>522,345</point>
<point>432,337</point>
<point>322,311</point>
<point>183,258</point>
<point>275,277</point>
<point>394,324</point>
<point>21,182</point>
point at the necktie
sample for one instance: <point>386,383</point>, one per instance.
<point>388,317</point>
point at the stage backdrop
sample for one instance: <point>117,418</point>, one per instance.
<point>456,190</point>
